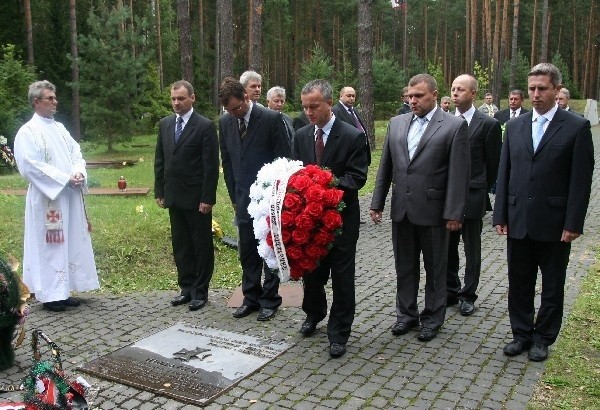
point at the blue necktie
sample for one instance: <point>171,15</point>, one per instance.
<point>178,129</point>
<point>414,135</point>
<point>538,131</point>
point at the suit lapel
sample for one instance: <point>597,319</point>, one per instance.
<point>476,122</point>
<point>187,131</point>
<point>403,128</point>
<point>253,127</point>
<point>525,132</point>
<point>552,129</point>
<point>332,141</point>
<point>430,130</point>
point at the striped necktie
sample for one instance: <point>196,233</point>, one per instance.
<point>178,129</point>
<point>414,135</point>
<point>538,131</point>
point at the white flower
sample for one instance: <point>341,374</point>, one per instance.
<point>3,140</point>
<point>139,209</point>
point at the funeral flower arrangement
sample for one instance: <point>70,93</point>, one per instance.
<point>6,154</point>
<point>297,215</point>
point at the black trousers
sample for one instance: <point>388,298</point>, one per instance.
<point>340,263</point>
<point>191,238</point>
<point>409,241</point>
<point>256,294</point>
<point>471,235</point>
<point>524,258</point>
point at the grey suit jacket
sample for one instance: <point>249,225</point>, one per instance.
<point>433,187</point>
<point>543,193</point>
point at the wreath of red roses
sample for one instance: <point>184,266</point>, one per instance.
<point>310,218</point>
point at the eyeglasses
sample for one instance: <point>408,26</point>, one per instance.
<point>234,109</point>
<point>51,98</point>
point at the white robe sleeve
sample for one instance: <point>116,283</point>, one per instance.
<point>34,161</point>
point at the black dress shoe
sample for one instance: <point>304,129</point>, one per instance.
<point>516,347</point>
<point>244,311</point>
<point>72,302</point>
<point>180,300</point>
<point>337,350</point>
<point>308,327</point>
<point>55,306</point>
<point>467,308</point>
<point>196,304</point>
<point>538,352</point>
<point>266,314</point>
<point>427,333</point>
<point>402,328</point>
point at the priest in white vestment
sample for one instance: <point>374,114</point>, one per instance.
<point>58,256</point>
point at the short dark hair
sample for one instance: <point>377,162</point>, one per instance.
<point>517,92</point>
<point>230,87</point>
<point>423,78</point>
<point>185,84</point>
<point>547,69</point>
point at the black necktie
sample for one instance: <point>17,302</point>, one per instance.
<point>319,146</point>
<point>242,128</point>
<point>178,129</point>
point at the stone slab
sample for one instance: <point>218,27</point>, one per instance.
<point>194,364</point>
<point>291,294</point>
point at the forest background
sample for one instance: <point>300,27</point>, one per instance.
<point>113,60</point>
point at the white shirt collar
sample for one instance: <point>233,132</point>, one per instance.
<point>467,114</point>
<point>185,116</point>
<point>549,115</point>
<point>428,115</point>
<point>326,128</point>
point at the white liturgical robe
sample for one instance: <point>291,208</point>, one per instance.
<point>47,156</point>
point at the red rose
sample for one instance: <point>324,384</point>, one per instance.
<point>294,252</point>
<point>323,238</point>
<point>286,236</point>
<point>323,178</point>
<point>308,265</point>
<point>269,240</point>
<point>312,170</point>
<point>332,219</point>
<point>332,197</point>
<point>314,194</point>
<point>268,218</point>
<point>300,236</point>
<point>287,219</point>
<point>292,201</point>
<point>314,210</point>
<point>299,183</point>
<point>296,273</point>
<point>304,221</point>
<point>314,251</point>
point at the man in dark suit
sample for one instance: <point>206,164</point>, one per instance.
<point>250,137</point>
<point>405,109</point>
<point>186,172</point>
<point>300,121</point>
<point>563,98</point>
<point>345,111</point>
<point>544,184</point>
<point>515,107</point>
<point>426,157</point>
<point>485,139</point>
<point>344,152</point>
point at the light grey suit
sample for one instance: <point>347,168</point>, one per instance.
<point>427,191</point>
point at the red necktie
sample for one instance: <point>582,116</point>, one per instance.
<point>319,146</point>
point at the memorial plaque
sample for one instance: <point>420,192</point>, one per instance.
<point>189,363</point>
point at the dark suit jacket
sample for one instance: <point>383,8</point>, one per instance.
<point>485,139</point>
<point>504,115</point>
<point>345,155</point>
<point>186,173</point>
<point>405,109</point>
<point>300,121</point>
<point>433,187</point>
<point>340,112</point>
<point>265,140</point>
<point>543,193</point>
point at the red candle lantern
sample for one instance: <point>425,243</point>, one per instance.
<point>122,184</point>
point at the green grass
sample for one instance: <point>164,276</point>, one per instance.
<point>572,376</point>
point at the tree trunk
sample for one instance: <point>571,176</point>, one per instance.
<point>76,123</point>
<point>201,33</point>
<point>159,46</point>
<point>225,19</point>
<point>473,35</point>
<point>405,38</point>
<point>29,31</point>
<point>255,35</point>
<point>545,30</point>
<point>365,65</point>
<point>532,60</point>
<point>514,52</point>
<point>185,40</point>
